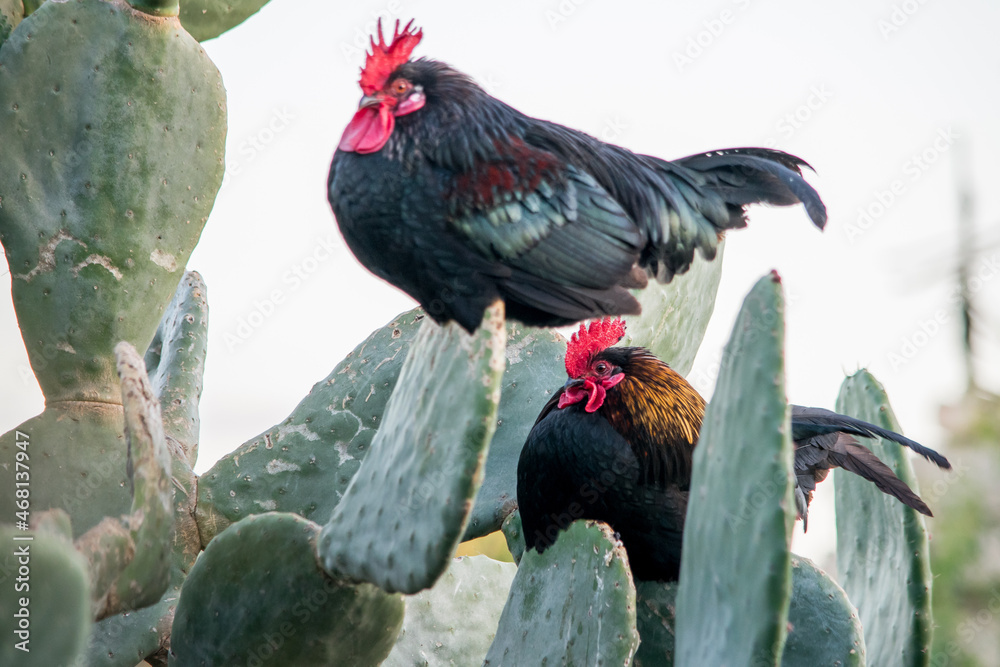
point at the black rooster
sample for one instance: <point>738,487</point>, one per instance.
<point>615,444</point>
<point>458,199</point>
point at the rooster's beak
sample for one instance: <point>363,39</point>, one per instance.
<point>369,101</point>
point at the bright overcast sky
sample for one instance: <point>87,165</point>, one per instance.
<point>875,95</point>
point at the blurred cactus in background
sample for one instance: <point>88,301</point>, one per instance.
<point>329,538</point>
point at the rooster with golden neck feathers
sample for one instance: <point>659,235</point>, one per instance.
<point>616,444</point>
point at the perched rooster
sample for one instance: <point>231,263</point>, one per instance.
<point>458,199</point>
<point>615,444</point>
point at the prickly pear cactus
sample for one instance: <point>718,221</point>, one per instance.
<point>175,364</point>
<point>294,548</point>
<point>259,594</point>
<point>99,137</point>
<point>305,463</point>
<point>206,19</point>
<point>572,605</point>
<point>130,559</point>
<point>454,622</point>
<point>535,370</point>
<point>741,497</point>
<point>113,125</point>
<point>45,610</point>
<point>404,512</point>
<point>882,550</point>
<point>823,625</point>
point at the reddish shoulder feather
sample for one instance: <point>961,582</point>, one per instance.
<point>588,341</point>
<point>384,59</point>
<point>515,166</point>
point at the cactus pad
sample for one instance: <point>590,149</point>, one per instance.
<point>823,626</point>
<point>513,532</point>
<point>110,121</point>
<point>58,600</point>
<point>732,603</point>
<point>257,594</point>
<point>572,605</point>
<point>206,19</point>
<point>535,370</point>
<point>404,512</point>
<point>175,361</point>
<point>305,463</point>
<point>882,550</point>
<point>454,622</point>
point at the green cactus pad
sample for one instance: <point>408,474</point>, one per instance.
<point>90,484</point>
<point>403,513</point>
<point>57,594</point>
<point>454,622</point>
<point>257,594</point>
<point>535,370</point>
<point>882,551</point>
<point>513,532</point>
<point>823,626</point>
<point>125,640</point>
<point>113,126</point>
<point>675,315</point>
<point>732,604</point>
<point>175,361</point>
<point>304,464</point>
<point>129,561</point>
<point>206,19</point>
<point>144,579</point>
<point>572,605</point>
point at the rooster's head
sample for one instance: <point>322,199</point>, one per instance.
<point>387,92</point>
<point>591,364</point>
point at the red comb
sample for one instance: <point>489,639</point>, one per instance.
<point>383,59</point>
<point>588,341</point>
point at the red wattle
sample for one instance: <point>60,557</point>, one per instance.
<point>368,130</point>
<point>592,391</point>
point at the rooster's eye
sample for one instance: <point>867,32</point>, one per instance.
<point>601,367</point>
<point>400,86</point>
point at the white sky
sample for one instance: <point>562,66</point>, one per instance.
<point>878,99</point>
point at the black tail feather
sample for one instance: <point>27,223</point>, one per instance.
<point>858,459</point>
<point>746,176</point>
<point>807,422</point>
